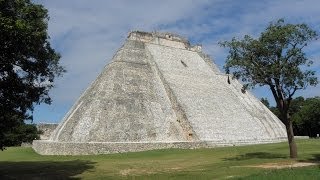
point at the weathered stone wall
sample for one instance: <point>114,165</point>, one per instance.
<point>215,109</point>
<point>127,103</point>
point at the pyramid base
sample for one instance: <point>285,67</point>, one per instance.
<point>47,147</point>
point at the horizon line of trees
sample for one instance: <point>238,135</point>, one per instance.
<point>305,113</point>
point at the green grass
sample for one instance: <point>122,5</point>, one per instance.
<point>217,163</point>
<point>296,173</point>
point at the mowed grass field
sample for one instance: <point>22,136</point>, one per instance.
<point>244,162</point>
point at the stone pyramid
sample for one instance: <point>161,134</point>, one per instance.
<point>160,92</point>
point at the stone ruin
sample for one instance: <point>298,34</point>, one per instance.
<point>160,92</point>
<point>46,129</point>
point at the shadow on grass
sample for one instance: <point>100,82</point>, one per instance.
<point>315,158</point>
<point>256,155</point>
<point>43,169</point>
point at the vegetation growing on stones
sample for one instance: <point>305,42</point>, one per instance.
<point>275,59</point>
<point>28,64</point>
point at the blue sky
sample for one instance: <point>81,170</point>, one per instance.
<point>88,33</point>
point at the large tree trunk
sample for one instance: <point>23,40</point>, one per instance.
<point>291,141</point>
<point>283,106</point>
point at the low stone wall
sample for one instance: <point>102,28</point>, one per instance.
<point>25,144</point>
<point>302,137</point>
<point>46,147</point>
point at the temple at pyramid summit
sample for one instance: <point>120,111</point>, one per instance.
<point>161,92</point>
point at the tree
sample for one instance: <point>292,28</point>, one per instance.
<point>23,133</point>
<point>306,120</point>
<point>28,64</point>
<point>265,102</point>
<point>305,114</point>
<point>276,60</point>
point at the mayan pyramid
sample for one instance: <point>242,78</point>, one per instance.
<point>160,92</point>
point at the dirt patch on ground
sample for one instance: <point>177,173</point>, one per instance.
<point>132,171</point>
<point>283,165</point>
<point>126,172</point>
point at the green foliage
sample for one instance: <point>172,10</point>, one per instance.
<point>28,64</point>
<point>296,105</point>
<point>274,59</point>
<point>265,102</point>
<point>307,118</point>
<point>305,115</point>
<point>23,133</point>
<point>294,108</point>
<point>275,111</point>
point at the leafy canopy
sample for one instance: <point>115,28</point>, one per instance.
<point>275,59</point>
<point>28,64</point>
<point>307,118</point>
<point>305,115</point>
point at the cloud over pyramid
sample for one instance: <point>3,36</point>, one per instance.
<point>160,92</point>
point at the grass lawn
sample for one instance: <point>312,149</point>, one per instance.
<point>217,163</point>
